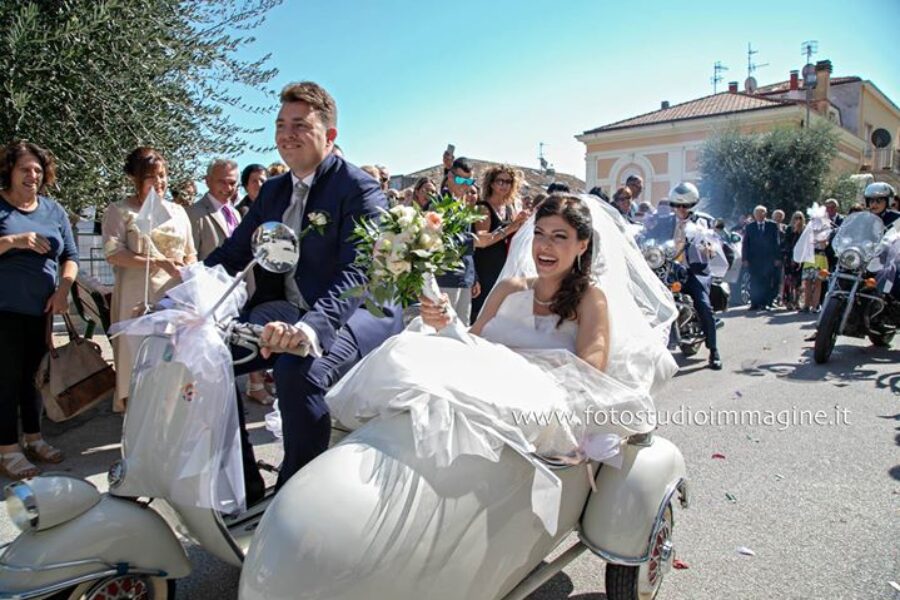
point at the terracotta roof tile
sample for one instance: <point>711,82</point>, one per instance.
<point>722,103</point>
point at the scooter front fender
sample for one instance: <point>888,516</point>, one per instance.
<point>629,503</point>
<point>115,535</point>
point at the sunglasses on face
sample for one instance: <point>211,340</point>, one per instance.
<point>503,181</point>
<point>464,180</point>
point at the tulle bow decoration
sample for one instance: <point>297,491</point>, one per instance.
<point>181,439</point>
<point>890,259</point>
<point>706,248</point>
<point>817,231</point>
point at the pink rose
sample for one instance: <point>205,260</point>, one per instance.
<point>433,221</point>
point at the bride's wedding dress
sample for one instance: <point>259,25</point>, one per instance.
<point>520,384</point>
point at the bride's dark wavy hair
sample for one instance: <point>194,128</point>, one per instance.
<point>577,281</point>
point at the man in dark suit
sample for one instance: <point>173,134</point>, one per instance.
<point>761,258</point>
<point>307,306</point>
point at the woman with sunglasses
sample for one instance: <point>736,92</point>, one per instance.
<point>500,186</point>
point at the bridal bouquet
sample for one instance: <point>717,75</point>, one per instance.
<point>404,249</point>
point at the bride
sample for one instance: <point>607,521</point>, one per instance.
<point>569,313</point>
<point>560,364</point>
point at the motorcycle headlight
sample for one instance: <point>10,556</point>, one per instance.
<point>851,259</point>
<point>43,502</point>
<point>654,257</point>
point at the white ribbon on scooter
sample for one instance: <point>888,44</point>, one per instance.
<point>181,437</point>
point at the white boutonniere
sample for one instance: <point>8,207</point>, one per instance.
<point>318,221</point>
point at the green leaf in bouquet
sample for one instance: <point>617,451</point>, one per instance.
<point>355,292</point>
<point>373,308</point>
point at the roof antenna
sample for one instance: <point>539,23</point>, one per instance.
<point>717,77</point>
<point>546,167</point>
<point>750,84</point>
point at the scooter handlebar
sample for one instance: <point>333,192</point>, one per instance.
<point>247,336</point>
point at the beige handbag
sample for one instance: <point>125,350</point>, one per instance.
<point>73,377</point>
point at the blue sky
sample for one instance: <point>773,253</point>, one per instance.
<point>495,78</point>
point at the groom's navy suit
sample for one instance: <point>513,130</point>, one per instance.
<point>345,330</point>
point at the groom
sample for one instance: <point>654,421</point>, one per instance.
<point>306,306</point>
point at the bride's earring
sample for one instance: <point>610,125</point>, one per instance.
<point>578,262</point>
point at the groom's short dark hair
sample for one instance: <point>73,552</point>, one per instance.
<point>314,95</point>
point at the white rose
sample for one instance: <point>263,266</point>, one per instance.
<point>398,266</point>
<point>405,215</point>
<point>431,242</point>
<point>384,244</point>
<point>318,219</point>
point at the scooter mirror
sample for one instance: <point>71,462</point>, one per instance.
<point>275,247</point>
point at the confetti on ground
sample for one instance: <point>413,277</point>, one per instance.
<point>894,584</point>
<point>752,439</point>
<point>719,456</point>
<point>778,477</point>
<point>737,394</point>
<point>731,497</point>
<point>745,551</point>
<point>680,564</point>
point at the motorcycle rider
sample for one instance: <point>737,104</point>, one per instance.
<point>682,198</point>
<point>879,196</point>
<point>878,200</point>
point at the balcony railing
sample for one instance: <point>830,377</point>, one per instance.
<point>883,159</point>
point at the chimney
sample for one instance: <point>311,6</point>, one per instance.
<point>732,87</point>
<point>823,84</point>
<point>664,105</point>
<point>795,80</point>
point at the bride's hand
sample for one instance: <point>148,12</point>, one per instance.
<point>434,314</point>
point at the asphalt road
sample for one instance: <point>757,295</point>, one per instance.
<point>819,505</point>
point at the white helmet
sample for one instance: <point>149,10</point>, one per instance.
<point>879,191</point>
<point>684,194</point>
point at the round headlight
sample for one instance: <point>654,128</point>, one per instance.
<point>654,257</point>
<point>851,259</point>
<point>22,506</point>
<point>60,497</point>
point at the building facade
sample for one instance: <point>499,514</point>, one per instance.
<point>662,146</point>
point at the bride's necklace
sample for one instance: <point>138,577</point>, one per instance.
<point>542,302</point>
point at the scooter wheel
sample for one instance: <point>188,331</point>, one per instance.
<point>120,587</point>
<point>643,582</point>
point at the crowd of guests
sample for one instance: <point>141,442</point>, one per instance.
<point>39,257</point>
<point>768,254</point>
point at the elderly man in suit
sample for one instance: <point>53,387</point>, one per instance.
<point>214,217</point>
<point>308,305</point>
<point>762,258</point>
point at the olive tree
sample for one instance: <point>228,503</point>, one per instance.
<point>784,168</point>
<point>92,79</point>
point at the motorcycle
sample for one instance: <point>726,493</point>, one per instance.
<point>687,331</point>
<point>349,507</point>
<point>857,303</point>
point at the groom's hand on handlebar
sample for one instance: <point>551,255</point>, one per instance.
<point>280,337</point>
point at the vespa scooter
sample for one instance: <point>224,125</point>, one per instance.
<point>80,544</point>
